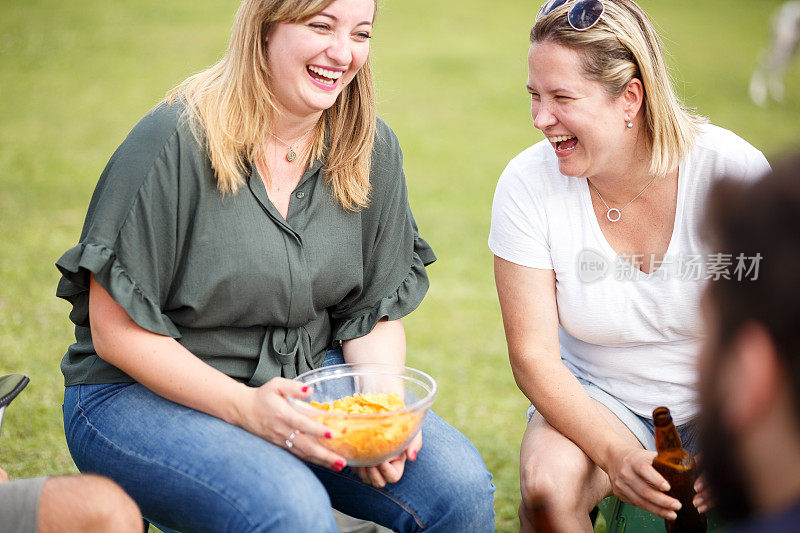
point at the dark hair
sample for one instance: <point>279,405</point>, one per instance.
<point>760,218</point>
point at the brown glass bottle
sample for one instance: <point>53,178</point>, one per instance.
<point>541,516</point>
<point>679,469</point>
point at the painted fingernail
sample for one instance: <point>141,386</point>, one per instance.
<point>340,464</point>
<point>414,455</point>
<point>336,467</point>
<point>305,389</point>
<point>328,435</point>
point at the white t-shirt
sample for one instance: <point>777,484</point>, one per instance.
<point>634,335</point>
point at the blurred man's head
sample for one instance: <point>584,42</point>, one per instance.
<point>750,370</point>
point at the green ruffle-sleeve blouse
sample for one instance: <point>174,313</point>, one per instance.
<point>249,293</point>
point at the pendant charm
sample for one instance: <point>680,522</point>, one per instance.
<point>291,156</point>
<point>610,214</point>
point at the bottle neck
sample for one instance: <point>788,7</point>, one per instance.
<point>667,438</point>
<point>666,435</point>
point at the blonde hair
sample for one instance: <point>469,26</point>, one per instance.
<point>623,45</point>
<point>230,106</point>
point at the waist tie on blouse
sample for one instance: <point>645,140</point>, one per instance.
<point>285,352</point>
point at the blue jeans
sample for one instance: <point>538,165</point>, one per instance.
<point>193,472</point>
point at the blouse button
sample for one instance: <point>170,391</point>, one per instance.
<point>300,195</point>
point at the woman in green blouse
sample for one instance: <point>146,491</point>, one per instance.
<point>253,226</point>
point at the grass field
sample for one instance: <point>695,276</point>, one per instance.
<point>451,75</point>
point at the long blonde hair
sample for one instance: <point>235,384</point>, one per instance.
<point>623,45</point>
<point>230,106</point>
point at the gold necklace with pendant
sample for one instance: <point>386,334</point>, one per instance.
<point>291,155</point>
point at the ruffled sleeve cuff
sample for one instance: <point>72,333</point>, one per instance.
<point>76,265</point>
<point>400,303</point>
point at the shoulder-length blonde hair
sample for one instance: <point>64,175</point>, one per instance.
<point>231,105</point>
<point>623,45</point>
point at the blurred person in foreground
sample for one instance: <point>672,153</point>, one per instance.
<point>750,369</point>
<point>254,226</point>
<point>66,504</point>
<point>598,258</point>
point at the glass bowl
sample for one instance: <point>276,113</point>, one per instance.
<point>368,439</point>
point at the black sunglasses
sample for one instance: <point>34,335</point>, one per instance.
<point>582,15</point>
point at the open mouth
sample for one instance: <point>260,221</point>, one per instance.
<point>323,75</point>
<point>563,143</point>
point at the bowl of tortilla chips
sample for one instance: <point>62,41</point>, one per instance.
<point>373,410</point>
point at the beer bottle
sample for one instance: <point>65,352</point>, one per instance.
<point>678,467</point>
<point>541,516</point>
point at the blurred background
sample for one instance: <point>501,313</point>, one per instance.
<point>76,76</point>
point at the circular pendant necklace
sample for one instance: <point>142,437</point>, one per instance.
<point>613,214</point>
<point>291,155</point>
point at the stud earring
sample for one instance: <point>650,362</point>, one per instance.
<point>630,125</point>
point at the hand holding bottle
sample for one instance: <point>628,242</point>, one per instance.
<point>679,469</point>
<point>635,481</point>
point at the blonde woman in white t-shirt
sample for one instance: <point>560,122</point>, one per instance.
<point>598,260</point>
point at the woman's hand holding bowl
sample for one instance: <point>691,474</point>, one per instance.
<point>392,470</point>
<point>266,412</point>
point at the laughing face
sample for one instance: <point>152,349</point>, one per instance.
<point>585,126</point>
<point>311,62</point>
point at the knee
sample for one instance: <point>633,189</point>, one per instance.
<point>113,509</point>
<point>87,503</point>
<point>306,510</point>
<point>555,484</point>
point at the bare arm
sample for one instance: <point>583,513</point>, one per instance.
<point>530,318</point>
<point>167,368</point>
<point>160,363</point>
<point>386,343</point>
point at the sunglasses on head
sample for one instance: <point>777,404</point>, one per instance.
<point>582,15</point>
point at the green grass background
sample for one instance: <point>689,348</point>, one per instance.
<point>76,76</point>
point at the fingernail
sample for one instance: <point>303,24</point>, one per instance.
<point>328,435</point>
<point>340,464</point>
<point>673,516</point>
<point>414,455</point>
<point>337,467</point>
<point>677,506</point>
<point>305,389</point>
<point>665,487</point>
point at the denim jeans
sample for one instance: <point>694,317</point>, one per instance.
<point>193,472</point>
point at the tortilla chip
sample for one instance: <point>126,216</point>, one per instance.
<point>368,440</point>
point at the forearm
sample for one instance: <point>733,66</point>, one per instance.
<point>164,366</point>
<point>160,363</point>
<point>563,402</point>
<point>386,343</point>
